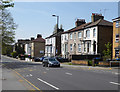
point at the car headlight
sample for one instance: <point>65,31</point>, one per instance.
<point>50,62</point>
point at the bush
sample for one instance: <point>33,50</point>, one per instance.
<point>90,63</point>
<point>14,54</point>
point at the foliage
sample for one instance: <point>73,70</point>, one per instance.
<point>19,49</point>
<point>108,52</point>
<point>7,25</point>
<point>14,54</point>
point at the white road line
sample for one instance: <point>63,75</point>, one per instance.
<point>69,73</point>
<point>31,75</point>
<point>48,83</point>
<point>117,73</point>
<point>115,83</point>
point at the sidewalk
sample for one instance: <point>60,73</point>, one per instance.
<point>10,80</point>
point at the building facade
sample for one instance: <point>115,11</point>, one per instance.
<point>53,44</point>
<point>37,47</point>
<point>88,38</point>
<point>116,38</point>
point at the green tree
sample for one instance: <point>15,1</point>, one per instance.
<point>7,25</point>
<point>108,52</point>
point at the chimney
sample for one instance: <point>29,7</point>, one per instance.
<point>39,36</point>
<point>96,17</point>
<point>32,38</point>
<point>80,22</point>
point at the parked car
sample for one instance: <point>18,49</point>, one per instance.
<point>118,59</point>
<point>41,59</point>
<point>51,61</point>
<point>36,59</point>
<point>60,59</point>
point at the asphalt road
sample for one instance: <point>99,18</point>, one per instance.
<point>63,78</point>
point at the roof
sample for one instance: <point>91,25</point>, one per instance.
<point>100,22</point>
<point>40,39</point>
<point>116,18</point>
<point>54,35</point>
<point>77,28</point>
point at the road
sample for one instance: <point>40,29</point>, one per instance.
<point>63,78</point>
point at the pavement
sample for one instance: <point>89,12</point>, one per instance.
<point>67,77</point>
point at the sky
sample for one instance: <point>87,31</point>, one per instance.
<point>35,18</point>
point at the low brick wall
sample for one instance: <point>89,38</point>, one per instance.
<point>104,64</point>
<point>80,62</point>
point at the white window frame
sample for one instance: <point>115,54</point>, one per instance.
<point>71,48</point>
<point>70,35</point>
<point>88,36</point>
<point>94,32</point>
<point>79,34</point>
<point>79,47</point>
<point>117,38</point>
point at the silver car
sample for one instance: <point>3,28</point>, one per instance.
<point>51,61</point>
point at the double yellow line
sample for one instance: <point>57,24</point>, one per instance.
<point>19,75</point>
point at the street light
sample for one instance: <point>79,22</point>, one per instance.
<point>57,20</point>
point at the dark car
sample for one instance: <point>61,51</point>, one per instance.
<point>48,62</point>
<point>36,59</point>
<point>60,59</point>
<point>41,59</point>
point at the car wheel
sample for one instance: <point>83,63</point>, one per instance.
<point>43,65</point>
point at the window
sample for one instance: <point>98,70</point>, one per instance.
<point>51,49</point>
<point>65,37</point>
<point>117,24</point>
<point>51,40</point>
<point>70,47</point>
<point>79,34</point>
<point>84,48</point>
<point>79,47</point>
<point>71,36</point>
<point>74,35</point>
<point>117,38</point>
<point>94,32</point>
<point>88,33</point>
<point>62,37</point>
<point>116,53</point>
<point>63,47</point>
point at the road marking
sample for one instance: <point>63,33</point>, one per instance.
<point>48,83</point>
<point>117,73</point>
<point>26,80</point>
<point>115,83</point>
<point>47,69</point>
<point>69,73</point>
<point>31,75</point>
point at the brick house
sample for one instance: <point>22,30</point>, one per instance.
<point>38,46</point>
<point>116,38</point>
<point>88,38</point>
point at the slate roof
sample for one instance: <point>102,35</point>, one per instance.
<point>100,22</point>
<point>40,39</point>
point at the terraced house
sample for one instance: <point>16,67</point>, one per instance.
<point>116,38</point>
<point>87,38</point>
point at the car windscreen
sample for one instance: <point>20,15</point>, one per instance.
<point>52,59</point>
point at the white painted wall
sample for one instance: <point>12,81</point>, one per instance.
<point>50,41</point>
<point>64,40</point>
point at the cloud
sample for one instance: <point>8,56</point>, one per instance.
<point>66,0</point>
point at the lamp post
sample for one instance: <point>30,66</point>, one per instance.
<point>57,20</point>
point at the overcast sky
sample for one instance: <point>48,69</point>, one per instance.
<point>36,17</point>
